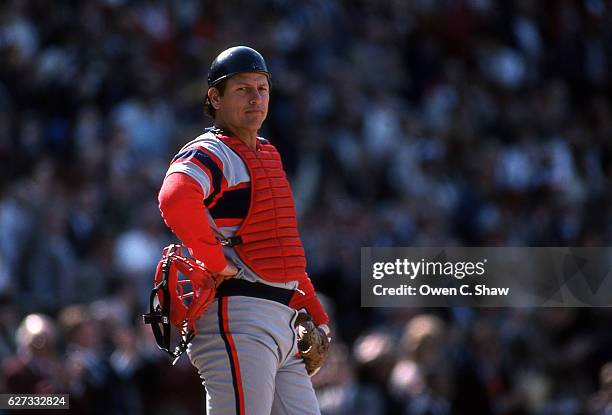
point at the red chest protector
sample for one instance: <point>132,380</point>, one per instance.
<point>269,241</point>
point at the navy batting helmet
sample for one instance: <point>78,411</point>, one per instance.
<point>236,60</point>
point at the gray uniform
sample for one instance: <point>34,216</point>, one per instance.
<point>245,352</point>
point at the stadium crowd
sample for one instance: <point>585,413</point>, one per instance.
<point>401,123</point>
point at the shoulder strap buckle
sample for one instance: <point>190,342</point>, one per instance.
<point>231,241</point>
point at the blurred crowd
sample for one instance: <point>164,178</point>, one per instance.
<point>401,123</point>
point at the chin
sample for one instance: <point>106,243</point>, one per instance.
<point>255,124</point>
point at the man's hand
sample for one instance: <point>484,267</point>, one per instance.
<point>229,271</point>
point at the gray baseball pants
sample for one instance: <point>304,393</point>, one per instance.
<point>245,353</point>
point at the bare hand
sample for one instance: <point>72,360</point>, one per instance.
<point>229,271</point>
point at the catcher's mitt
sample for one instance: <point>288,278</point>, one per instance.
<point>313,343</point>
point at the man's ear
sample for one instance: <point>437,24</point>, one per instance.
<point>214,97</point>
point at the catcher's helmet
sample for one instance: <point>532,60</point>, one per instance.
<point>236,60</point>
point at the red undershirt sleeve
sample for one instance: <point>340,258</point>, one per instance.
<point>181,203</point>
<point>309,301</point>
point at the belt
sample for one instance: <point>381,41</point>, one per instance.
<point>246,288</point>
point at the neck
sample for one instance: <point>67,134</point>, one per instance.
<point>248,137</point>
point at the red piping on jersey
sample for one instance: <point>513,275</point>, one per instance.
<point>219,164</point>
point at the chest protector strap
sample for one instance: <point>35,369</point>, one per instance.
<point>269,242</point>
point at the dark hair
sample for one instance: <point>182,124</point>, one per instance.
<point>208,108</point>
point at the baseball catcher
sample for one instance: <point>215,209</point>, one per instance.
<point>227,198</point>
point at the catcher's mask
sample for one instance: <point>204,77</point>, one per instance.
<point>171,302</point>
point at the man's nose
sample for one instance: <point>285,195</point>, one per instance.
<point>255,97</point>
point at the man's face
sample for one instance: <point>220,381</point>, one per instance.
<point>244,104</point>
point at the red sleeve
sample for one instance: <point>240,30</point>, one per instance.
<point>181,202</point>
<point>309,301</point>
